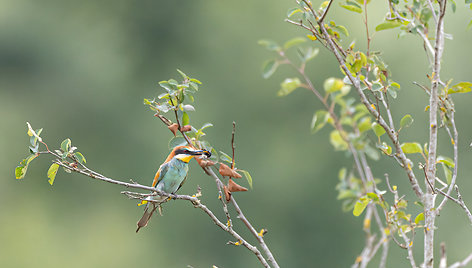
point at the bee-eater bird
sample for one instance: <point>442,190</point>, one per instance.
<point>169,178</point>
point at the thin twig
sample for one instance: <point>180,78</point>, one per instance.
<point>462,263</point>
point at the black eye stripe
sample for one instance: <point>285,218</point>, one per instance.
<point>182,151</point>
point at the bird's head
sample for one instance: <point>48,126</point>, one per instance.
<point>185,153</point>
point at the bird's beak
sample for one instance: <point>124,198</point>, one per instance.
<point>202,152</point>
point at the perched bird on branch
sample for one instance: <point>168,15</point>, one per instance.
<point>169,178</point>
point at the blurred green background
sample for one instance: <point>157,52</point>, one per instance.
<point>80,69</point>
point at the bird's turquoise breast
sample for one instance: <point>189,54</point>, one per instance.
<point>175,175</point>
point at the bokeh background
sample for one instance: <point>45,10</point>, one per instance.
<point>80,69</point>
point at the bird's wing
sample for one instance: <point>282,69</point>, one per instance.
<point>161,172</point>
<point>182,183</point>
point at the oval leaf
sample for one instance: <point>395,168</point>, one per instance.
<point>406,121</point>
<point>52,173</point>
<point>387,25</point>
<point>360,206</point>
<point>293,42</point>
<point>269,68</point>
<point>411,148</point>
<point>378,129</point>
<point>288,86</point>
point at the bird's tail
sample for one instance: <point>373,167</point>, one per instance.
<point>148,211</point>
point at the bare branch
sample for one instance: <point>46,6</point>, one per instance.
<point>462,263</point>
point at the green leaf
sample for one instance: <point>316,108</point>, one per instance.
<point>188,108</point>
<point>406,121</point>
<point>80,157</point>
<point>206,125</point>
<point>288,86</point>
<point>184,76</point>
<point>248,177</point>
<point>269,68</point>
<point>342,30</point>
<point>177,141</point>
<point>352,7</point>
<point>270,45</point>
<point>446,160</point>
<point>337,141</point>
<point>310,54</point>
<point>20,170</point>
<point>386,149</point>
<point>411,148</point>
<point>388,25</point>
<point>293,11</point>
<point>419,218</point>
<point>462,87</point>
<point>360,206</point>
<point>173,82</point>
<point>52,173</point>
<point>195,81</point>
<point>185,119</point>
<point>447,173</point>
<point>378,129</point>
<point>225,157</point>
<point>365,124</point>
<point>319,120</point>
<point>346,194</point>
<point>333,84</point>
<point>371,152</point>
<point>373,196</point>
<point>166,86</point>
<point>294,42</point>
<point>65,145</point>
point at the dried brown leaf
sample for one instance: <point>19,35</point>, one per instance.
<point>173,128</point>
<point>234,187</point>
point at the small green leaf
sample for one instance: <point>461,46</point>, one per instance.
<point>270,45</point>
<point>269,68</point>
<point>206,125</point>
<point>225,157</point>
<point>337,141</point>
<point>177,141</point>
<point>349,6</point>
<point>360,206</point>
<point>20,170</point>
<point>80,157</point>
<point>406,121</point>
<point>447,173</point>
<point>319,120</point>
<point>378,129</point>
<point>65,145</point>
<point>185,119</point>
<point>188,108</point>
<point>310,54</point>
<point>365,124</point>
<point>288,86</point>
<point>52,173</point>
<point>462,87</point>
<point>294,42</point>
<point>446,160</point>
<point>388,25</point>
<point>373,196</point>
<point>173,82</point>
<point>342,30</point>
<point>195,81</point>
<point>411,148</point>
<point>385,148</point>
<point>165,84</point>
<point>248,177</point>
<point>333,84</point>
<point>419,218</point>
<point>184,76</point>
<point>293,11</point>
